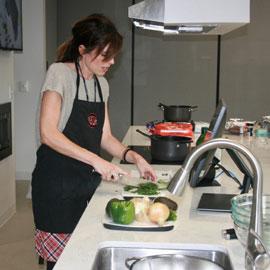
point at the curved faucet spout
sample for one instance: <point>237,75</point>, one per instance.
<point>256,253</point>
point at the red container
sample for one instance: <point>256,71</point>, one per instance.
<point>173,129</point>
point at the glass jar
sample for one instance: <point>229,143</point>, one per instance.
<point>261,138</point>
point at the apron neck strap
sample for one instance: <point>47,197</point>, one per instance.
<point>85,88</point>
<point>99,88</point>
<point>77,79</point>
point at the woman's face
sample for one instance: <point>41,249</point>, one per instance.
<point>96,64</point>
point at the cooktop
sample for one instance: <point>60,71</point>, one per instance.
<point>144,151</point>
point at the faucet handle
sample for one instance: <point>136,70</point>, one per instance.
<point>257,256</point>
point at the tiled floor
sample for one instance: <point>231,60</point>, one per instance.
<point>17,235</point>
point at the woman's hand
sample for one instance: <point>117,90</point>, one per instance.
<point>108,170</point>
<point>145,169</point>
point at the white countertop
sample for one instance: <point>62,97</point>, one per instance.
<point>192,226</point>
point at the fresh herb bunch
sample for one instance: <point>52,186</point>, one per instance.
<point>148,189</point>
<point>144,189</point>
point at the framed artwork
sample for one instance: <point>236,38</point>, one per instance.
<point>11,25</point>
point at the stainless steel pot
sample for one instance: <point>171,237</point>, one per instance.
<point>175,113</point>
<point>170,262</point>
<point>168,148</point>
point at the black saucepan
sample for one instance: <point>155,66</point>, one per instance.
<point>168,148</point>
<point>176,113</point>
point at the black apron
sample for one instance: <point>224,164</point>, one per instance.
<point>62,186</point>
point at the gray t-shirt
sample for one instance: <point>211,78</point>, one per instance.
<point>62,79</point>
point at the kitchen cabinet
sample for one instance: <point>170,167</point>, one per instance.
<point>191,227</point>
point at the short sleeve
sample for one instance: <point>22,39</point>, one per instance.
<point>56,77</point>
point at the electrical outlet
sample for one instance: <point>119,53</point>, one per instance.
<point>24,86</point>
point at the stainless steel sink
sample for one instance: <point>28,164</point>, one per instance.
<point>112,255</point>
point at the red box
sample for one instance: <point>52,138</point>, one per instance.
<point>173,129</point>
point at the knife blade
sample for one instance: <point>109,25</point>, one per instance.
<point>131,181</point>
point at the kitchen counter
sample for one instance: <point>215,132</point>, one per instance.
<point>192,226</point>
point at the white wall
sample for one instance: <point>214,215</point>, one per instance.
<point>7,165</point>
<point>30,65</point>
<point>15,68</point>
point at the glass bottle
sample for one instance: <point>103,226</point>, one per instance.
<point>201,138</point>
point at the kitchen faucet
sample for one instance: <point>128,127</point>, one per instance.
<point>256,256</point>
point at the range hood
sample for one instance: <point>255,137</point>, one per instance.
<point>198,17</point>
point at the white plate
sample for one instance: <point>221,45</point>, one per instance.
<point>137,226</point>
<point>162,175</point>
<point>129,195</point>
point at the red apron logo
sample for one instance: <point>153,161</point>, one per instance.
<point>92,120</point>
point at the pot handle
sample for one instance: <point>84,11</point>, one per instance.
<point>193,108</point>
<point>154,137</point>
<point>162,106</point>
<point>144,134</point>
<point>131,259</point>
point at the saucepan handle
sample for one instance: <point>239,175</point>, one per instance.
<point>162,106</point>
<point>193,108</point>
<point>144,134</point>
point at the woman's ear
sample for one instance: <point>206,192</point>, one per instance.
<point>82,49</point>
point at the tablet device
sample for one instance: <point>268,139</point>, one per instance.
<point>215,202</point>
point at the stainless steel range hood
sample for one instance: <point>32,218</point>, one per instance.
<point>205,17</point>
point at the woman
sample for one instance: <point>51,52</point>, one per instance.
<point>74,125</point>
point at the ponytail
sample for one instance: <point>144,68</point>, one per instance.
<point>65,52</point>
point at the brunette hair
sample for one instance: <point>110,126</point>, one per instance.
<point>94,32</point>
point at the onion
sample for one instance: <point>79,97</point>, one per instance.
<point>158,213</point>
<point>141,208</point>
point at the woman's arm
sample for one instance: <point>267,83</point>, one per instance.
<point>111,145</point>
<point>52,137</point>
